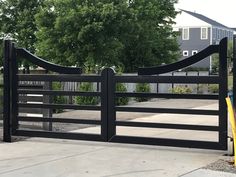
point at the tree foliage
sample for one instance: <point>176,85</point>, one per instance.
<point>107,32</point>
<point>215,58</point>
<point>17,21</point>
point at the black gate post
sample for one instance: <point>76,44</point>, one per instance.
<point>108,104</point>
<point>104,104</point>
<point>223,90</point>
<point>234,71</point>
<point>6,93</point>
<point>111,103</point>
<point>14,87</point>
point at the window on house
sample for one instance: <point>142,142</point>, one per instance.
<point>185,53</point>
<point>185,34</point>
<point>194,52</point>
<point>225,33</point>
<point>218,33</point>
<point>204,33</point>
<point>214,33</point>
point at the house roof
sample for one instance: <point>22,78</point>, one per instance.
<point>205,19</point>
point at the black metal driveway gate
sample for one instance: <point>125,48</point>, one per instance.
<point>107,94</point>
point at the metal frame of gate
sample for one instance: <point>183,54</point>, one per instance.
<point>234,71</point>
<point>108,109</point>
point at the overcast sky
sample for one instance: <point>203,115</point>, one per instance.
<point>222,11</point>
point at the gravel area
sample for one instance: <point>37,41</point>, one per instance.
<point>225,165</point>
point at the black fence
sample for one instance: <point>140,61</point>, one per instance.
<point>15,102</point>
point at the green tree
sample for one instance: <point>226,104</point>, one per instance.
<point>151,40</point>
<point>17,21</point>
<point>107,32</point>
<point>215,58</point>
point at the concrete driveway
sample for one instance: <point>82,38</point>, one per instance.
<point>37,157</point>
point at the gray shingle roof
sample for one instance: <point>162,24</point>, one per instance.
<point>205,19</point>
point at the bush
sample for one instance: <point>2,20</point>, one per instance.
<point>120,87</point>
<point>214,88</point>
<point>142,87</point>
<point>86,100</point>
<point>181,90</point>
<point>58,99</point>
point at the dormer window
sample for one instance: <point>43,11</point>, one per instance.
<point>204,33</point>
<point>185,34</point>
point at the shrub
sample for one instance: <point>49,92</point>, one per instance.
<point>86,100</point>
<point>120,87</point>
<point>214,88</point>
<point>58,99</point>
<point>142,87</point>
<point>181,90</point>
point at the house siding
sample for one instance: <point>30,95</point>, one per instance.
<point>195,43</point>
<point>220,33</point>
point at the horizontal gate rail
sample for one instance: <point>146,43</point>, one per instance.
<point>25,86</point>
<point>168,142</point>
<point>168,110</point>
<point>60,135</point>
<point>183,63</point>
<point>58,106</point>
<point>59,77</point>
<point>167,95</point>
<point>168,126</point>
<point>31,98</point>
<point>45,64</point>
<point>59,120</point>
<point>168,79</point>
<point>31,110</point>
<point>58,92</point>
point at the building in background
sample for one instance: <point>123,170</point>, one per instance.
<point>234,29</point>
<point>197,32</point>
